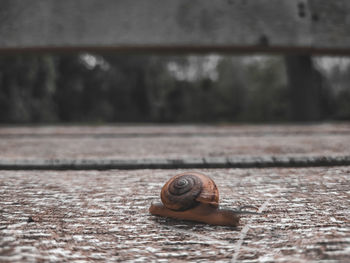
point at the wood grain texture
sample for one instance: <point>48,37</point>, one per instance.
<point>138,147</point>
<point>307,26</point>
<point>84,216</point>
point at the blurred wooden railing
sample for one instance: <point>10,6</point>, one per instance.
<point>297,27</point>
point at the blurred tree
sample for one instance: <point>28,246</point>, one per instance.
<point>266,91</point>
<point>310,99</point>
<point>340,79</point>
<point>231,89</point>
<point>27,86</point>
<point>140,88</point>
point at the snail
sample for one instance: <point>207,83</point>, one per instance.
<point>195,197</point>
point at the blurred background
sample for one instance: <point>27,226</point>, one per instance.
<point>110,88</point>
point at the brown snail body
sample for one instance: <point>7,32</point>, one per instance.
<point>193,196</point>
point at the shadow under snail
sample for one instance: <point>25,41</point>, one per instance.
<point>195,197</point>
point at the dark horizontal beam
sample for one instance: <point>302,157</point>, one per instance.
<point>269,26</point>
<point>186,163</point>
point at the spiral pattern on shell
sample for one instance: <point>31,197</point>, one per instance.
<point>187,190</point>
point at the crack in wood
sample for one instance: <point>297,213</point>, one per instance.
<point>247,227</point>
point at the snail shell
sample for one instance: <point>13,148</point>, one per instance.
<point>195,197</point>
<point>187,190</point>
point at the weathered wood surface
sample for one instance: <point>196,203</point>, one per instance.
<point>174,146</point>
<point>84,216</point>
<point>175,130</point>
<point>306,26</point>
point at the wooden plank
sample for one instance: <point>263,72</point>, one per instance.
<point>155,130</point>
<point>306,26</point>
<point>82,216</point>
<point>168,147</point>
